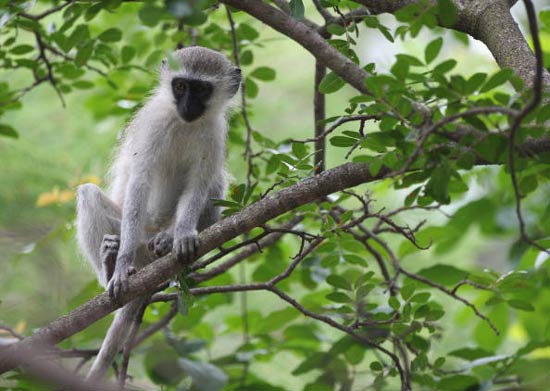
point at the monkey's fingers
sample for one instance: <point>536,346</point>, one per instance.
<point>121,286</point>
<point>131,270</point>
<point>111,288</point>
<point>186,249</point>
<point>195,243</point>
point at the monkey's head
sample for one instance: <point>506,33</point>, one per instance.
<point>201,80</point>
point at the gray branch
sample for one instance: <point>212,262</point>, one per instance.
<point>489,21</point>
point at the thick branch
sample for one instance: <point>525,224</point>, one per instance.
<point>307,37</point>
<point>491,22</point>
<point>149,278</point>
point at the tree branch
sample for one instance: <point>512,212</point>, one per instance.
<point>307,37</point>
<point>489,21</point>
<point>149,278</point>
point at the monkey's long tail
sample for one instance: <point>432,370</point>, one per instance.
<point>115,338</point>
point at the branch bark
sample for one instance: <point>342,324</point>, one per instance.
<point>489,21</point>
<point>308,38</point>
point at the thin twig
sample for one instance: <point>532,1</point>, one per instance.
<point>129,345</point>
<point>47,12</point>
<point>49,69</point>
<point>248,153</point>
<point>427,131</point>
<point>340,121</point>
<point>319,116</point>
<point>159,325</point>
<point>12,332</point>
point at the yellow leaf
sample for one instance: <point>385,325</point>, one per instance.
<point>21,326</point>
<point>66,196</point>
<point>48,198</point>
<point>87,179</point>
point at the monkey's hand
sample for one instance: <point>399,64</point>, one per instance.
<point>119,282</point>
<point>161,244</point>
<point>186,245</point>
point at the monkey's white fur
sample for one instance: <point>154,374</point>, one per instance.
<point>164,175</point>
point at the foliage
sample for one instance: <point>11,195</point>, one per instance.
<point>366,289</point>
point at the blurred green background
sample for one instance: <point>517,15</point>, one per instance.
<point>43,276</point>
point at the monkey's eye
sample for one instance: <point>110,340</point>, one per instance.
<point>179,85</point>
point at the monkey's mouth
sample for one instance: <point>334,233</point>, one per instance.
<point>190,110</point>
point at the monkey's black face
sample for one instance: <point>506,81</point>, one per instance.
<point>191,97</point>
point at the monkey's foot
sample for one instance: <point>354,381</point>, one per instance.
<point>108,253</point>
<point>161,244</point>
<point>186,247</point>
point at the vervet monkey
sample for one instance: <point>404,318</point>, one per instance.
<point>168,168</point>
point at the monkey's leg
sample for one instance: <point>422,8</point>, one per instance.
<point>161,244</point>
<point>211,213</point>
<point>115,338</point>
<point>108,253</point>
<point>97,216</point>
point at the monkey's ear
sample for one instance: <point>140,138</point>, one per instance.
<point>235,81</point>
<point>237,75</point>
<point>164,65</point>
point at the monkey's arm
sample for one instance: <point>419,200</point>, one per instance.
<point>190,206</point>
<point>131,233</point>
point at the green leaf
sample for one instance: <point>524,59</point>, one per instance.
<point>315,360</point>
<point>470,353</point>
<point>433,49</point>
<point>246,31</point>
<point>110,35</point>
<point>521,305</point>
<point>80,34</point>
<point>528,184</point>
<point>127,54</point>
<point>264,73</point>
<point>339,282</point>
<point>84,53</point>
<point>447,13</point>
<point>299,150</point>
<point>420,297</point>
<point>21,49</point>
<point>92,11</point>
<point>458,383</point>
<point>497,79</point>
<point>205,376</point>
<point>276,320</point>
<point>407,291</point>
<point>376,366</point>
<point>161,365</point>
<point>342,141</point>
<point>338,297</point>
<point>83,84</point>
<point>154,58</point>
<point>475,82</point>
<point>444,274</point>
<point>394,303</point>
<point>400,69</point>
<point>445,66</point>
<point>151,15</point>
<point>336,29</point>
<point>438,184</point>
<point>297,9</point>
<point>8,131</point>
<point>331,83</point>
<point>251,88</point>
<point>247,57</point>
